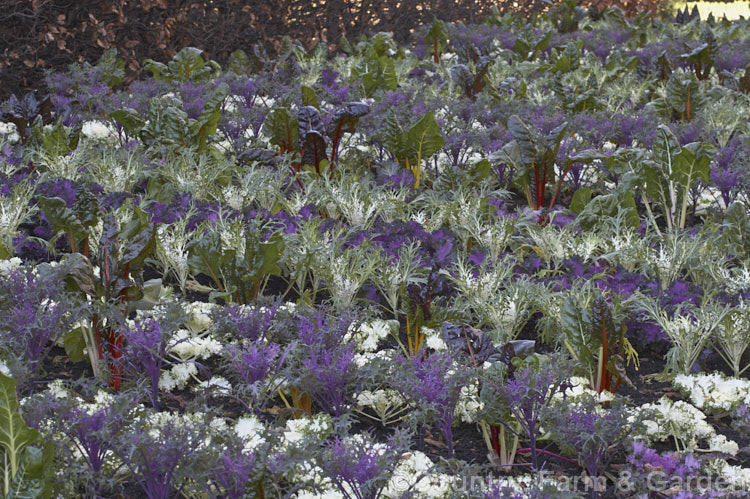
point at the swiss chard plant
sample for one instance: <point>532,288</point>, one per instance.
<point>533,158</point>
<point>437,38</point>
<point>112,289</point>
<point>169,126</point>
<point>670,173</point>
<point>26,458</point>
<point>239,270</point>
<point>593,337</point>
<point>410,147</point>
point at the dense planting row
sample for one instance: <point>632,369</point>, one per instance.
<point>295,276</point>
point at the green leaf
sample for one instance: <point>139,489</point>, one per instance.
<point>188,64</point>
<point>167,123</point>
<point>692,163</point>
<point>109,251</point>
<point>78,273</point>
<point>522,48</point>
<point>309,98</point>
<point>524,139</point>
<point>63,219</point>
<point>208,121</point>
<point>609,206</point>
<point>272,250</point>
<point>15,436</point>
<point>436,37</point>
<point>159,70</point>
<point>282,129</point>
<point>580,199</point>
<point>75,343</point>
<point>239,63</point>
<point>57,142</point>
<point>684,95</point>
<point>130,120</point>
<point>576,324</point>
<point>139,247</point>
<point>32,480</point>
<point>205,256</point>
<point>112,67</point>
<point>422,140</point>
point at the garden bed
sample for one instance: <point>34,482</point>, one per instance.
<point>506,260</point>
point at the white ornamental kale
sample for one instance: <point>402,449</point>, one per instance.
<point>388,405</point>
<point>9,265</point>
<point>368,335</point>
<point>686,425</point>
<point>714,393</point>
<point>15,209</point>
<point>251,431</point>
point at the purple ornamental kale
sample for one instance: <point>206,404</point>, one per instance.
<point>145,353</point>
<point>156,457</point>
<point>249,323</point>
<point>233,472</point>
<point>256,365</point>
<point>32,320</point>
<point>590,434</point>
<point>329,377</point>
<point>528,394</point>
<point>433,383</point>
<point>361,469</point>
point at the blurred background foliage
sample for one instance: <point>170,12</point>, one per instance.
<point>50,34</point>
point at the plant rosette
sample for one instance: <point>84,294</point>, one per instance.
<point>737,477</point>
<point>368,335</point>
<point>686,425</point>
<point>414,473</point>
<point>250,430</point>
<point>714,393</point>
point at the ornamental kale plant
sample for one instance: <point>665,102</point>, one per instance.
<point>147,346</point>
<point>359,466</point>
<point>322,365</point>
<point>433,383</point>
<point>526,395</point>
<point>35,313</point>
<point>592,432</point>
<point>257,365</point>
<point>162,459</point>
<point>232,473</point>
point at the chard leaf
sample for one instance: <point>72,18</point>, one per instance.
<point>345,119</point>
<point>63,219</point>
<point>208,121</point>
<point>436,38</point>
<point>24,469</point>
<point>32,480</point>
<point>205,256</point>
<point>576,324</point>
<point>188,65</point>
<point>109,251</point>
<point>112,67</point>
<point>75,343</point>
<point>282,129</point>
<point>311,135</point>
<point>239,63</point>
<point>580,199</point>
<point>524,139</point>
<point>129,119</point>
<point>78,272</point>
<point>167,123</point>
<point>421,141</point>
<point>309,98</point>
<point>608,206</point>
